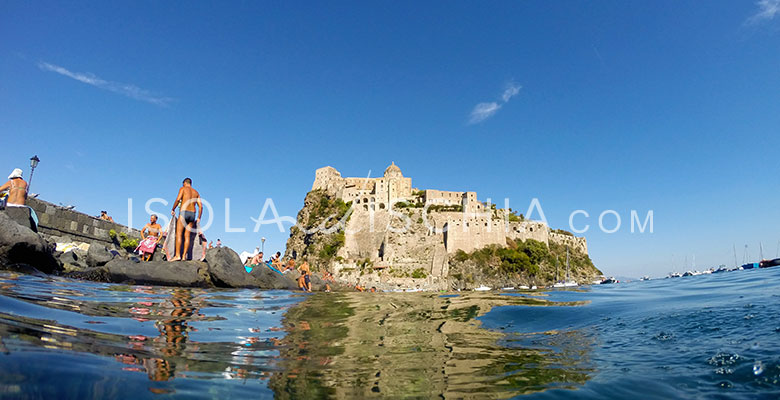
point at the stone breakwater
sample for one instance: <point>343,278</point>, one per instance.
<point>61,224</point>
<point>24,250</point>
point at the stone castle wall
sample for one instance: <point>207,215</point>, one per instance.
<point>574,243</point>
<point>472,234</point>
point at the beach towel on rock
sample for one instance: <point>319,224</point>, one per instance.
<point>147,245</point>
<point>198,244</point>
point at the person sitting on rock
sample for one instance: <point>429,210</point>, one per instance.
<point>149,241</point>
<point>105,217</point>
<point>257,259</point>
<point>17,189</point>
<point>276,260</point>
<point>304,281</point>
<point>289,267</point>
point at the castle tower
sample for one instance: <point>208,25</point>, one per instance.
<point>398,187</point>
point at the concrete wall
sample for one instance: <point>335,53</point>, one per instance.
<point>54,220</point>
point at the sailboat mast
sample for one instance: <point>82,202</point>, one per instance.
<point>735,254</point>
<point>567,263</point>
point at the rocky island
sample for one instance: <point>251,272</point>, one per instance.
<point>384,233</point>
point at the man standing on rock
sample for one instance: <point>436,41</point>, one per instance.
<point>17,189</point>
<point>187,199</point>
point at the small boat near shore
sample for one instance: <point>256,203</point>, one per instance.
<point>568,282</point>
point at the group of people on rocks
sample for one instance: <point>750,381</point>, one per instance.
<point>275,262</point>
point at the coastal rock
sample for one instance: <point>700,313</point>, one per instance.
<point>226,269</point>
<point>179,273</point>
<point>98,274</point>
<point>98,255</point>
<point>22,217</point>
<point>20,245</point>
<point>71,261</point>
<point>265,278</point>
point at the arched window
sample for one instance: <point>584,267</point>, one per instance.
<point>381,206</point>
<point>365,207</point>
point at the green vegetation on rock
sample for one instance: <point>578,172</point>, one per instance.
<point>515,217</point>
<point>445,208</point>
<point>529,260</point>
<point>419,273</point>
<point>319,246</point>
<point>125,242</point>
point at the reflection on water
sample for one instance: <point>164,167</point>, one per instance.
<point>65,338</point>
<point>695,337</point>
<point>360,345</point>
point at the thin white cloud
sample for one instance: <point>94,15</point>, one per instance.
<point>483,111</point>
<point>124,89</point>
<point>510,91</point>
<point>767,9</point>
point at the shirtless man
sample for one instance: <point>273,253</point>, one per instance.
<point>257,260</point>
<point>187,198</point>
<point>155,230</point>
<point>17,189</point>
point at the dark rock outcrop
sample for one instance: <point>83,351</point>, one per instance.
<point>265,278</point>
<point>98,255</point>
<point>20,245</point>
<point>178,273</point>
<point>98,274</point>
<point>226,269</point>
<point>22,217</point>
<point>72,261</point>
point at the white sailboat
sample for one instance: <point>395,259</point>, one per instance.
<point>567,282</point>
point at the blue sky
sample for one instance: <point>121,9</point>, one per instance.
<point>670,106</point>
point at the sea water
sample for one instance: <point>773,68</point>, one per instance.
<point>707,336</point>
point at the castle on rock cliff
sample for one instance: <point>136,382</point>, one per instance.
<point>454,220</point>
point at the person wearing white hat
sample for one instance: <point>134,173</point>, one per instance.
<point>17,189</point>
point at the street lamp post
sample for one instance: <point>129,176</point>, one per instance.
<point>33,163</point>
<point>262,241</point>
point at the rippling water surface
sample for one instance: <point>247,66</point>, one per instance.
<point>695,337</point>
